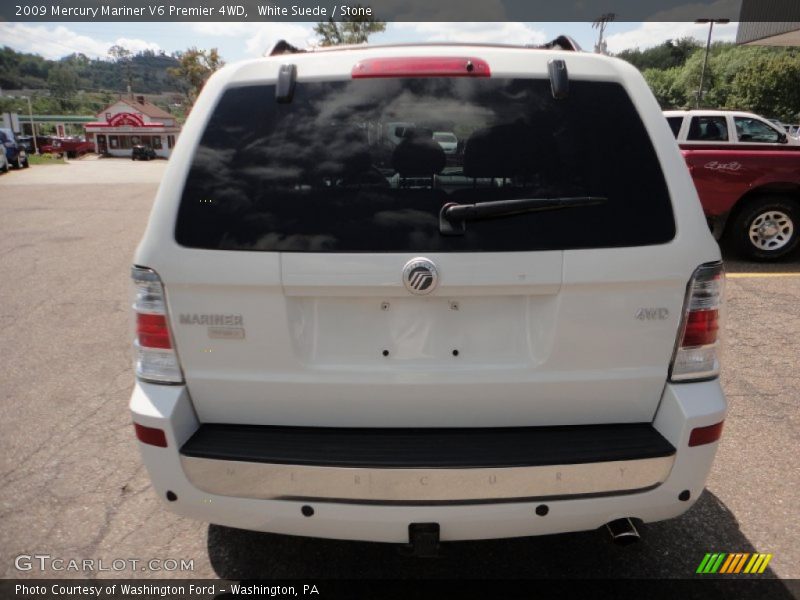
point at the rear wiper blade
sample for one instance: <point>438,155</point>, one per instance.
<point>453,216</point>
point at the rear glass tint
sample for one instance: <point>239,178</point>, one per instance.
<point>354,166</point>
<point>708,129</point>
<point>675,124</point>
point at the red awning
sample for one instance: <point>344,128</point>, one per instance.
<point>146,125</point>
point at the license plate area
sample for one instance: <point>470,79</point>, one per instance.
<point>508,331</point>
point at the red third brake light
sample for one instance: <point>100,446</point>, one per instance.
<point>421,66</point>
<point>152,331</point>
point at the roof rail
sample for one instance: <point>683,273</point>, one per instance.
<point>562,42</point>
<point>284,47</point>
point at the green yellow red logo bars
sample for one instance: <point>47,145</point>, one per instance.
<point>734,563</point>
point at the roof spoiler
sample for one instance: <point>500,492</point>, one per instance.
<point>284,47</point>
<point>562,42</point>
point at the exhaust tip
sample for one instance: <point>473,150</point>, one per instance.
<point>623,532</point>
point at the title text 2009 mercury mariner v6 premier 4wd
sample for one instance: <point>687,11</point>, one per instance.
<point>344,331</point>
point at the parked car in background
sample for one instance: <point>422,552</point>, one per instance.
<point>397,131</point>
<point>747,179</point>
<point>49,144</point>
<point>4,165</point>
<point>725,128</point>
<point>26,142</point>
<point>447,140</point>
<point>140,152</point>
<point>15,153</point>
<point>74,147</point>
<point>45,144</point>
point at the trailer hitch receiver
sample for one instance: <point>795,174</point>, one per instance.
<point>423,540</point>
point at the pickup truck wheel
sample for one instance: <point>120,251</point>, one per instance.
<point>767,228</point>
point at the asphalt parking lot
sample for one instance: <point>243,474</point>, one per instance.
<point>72,486</point>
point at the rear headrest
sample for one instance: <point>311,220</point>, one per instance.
<point>418,156</point>
<point>512,150</point>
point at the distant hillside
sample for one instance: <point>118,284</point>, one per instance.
<point>148,72</point>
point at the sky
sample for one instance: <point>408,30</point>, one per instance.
<point>242,40</point>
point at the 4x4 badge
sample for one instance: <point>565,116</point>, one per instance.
<point>420,276</point>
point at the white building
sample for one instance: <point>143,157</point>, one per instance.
<point>769,23</point>
<point>131,122</point>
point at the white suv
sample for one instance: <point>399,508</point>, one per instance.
<point>345,337</point>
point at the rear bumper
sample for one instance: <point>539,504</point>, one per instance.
<point>484,501</point>
<point>422,466</point>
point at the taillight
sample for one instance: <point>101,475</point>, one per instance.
<point>155,358</point>
<point>152,331</point>
<point>696,352</point>
<point>421,66</point>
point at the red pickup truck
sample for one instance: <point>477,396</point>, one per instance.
<point>71,146</point>
<point>749,183</point>
<point>75,147</point>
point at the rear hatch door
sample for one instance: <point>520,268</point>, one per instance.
<point>293,304</point>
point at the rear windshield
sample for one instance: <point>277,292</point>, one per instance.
<point>353,166</point>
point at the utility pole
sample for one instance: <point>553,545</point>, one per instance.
<point>708,47</point>
<point>601,24</point>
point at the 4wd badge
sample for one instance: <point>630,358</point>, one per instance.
<point>652,314</point>
<point>420,276</point>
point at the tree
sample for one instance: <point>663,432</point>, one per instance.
<point>765,80</point>
<point>725,77</point>
<point>682,49</point>
<point>119,53</point>
<point>769,85</point>
<point>354,30</point>
<point>193,70</point>
<point>689,81</point>
<point>665,87</point>
<point>122,56</point>
<point>148,71</point>
<point>664,56</point>
<point>63,84</point>
<point>79,59</point>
